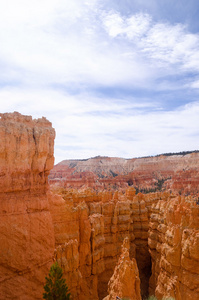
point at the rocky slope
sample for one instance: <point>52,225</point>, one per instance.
<point>177,172</point>
<point>26,228</point>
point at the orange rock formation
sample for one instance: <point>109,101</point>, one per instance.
<point>176,172</point>
<point>125,282</point>
<point>84,229</point>
<point>26,228</point>
<point>91,227</point>
<point>108,219</point>
<point>174,248</point>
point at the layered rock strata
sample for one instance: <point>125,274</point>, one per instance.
<point>89,231</point>
<point>93,226</point>
<point>26,228</point>
<point>178,172</point>
<point>174,248</point>
<point>84,230</point>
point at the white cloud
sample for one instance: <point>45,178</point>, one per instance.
<point>56,56</point>
<point>87,127</point>
<point>195,84</point>
<point>162,43</point>
<point>172,45</point>
<point>134,135</point>
<point>46,42</point>
<point>63,42</point>
<point>132,27</point>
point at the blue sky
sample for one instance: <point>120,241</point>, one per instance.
<point>116,78</point>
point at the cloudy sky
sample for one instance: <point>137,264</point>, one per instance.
<point>115,77</point>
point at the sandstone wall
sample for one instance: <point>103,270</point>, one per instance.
<point>89,230</point>
<point>26,229</point>
<point>174,248</point>
<point>84,229</point>
<point>94,225</point>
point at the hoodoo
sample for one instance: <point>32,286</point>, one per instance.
<point>125,281</point>
<point>83,229</point>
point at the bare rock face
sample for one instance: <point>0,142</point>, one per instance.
<point>73,246</point>
<point>84,229</point>
<point>161,227</point>
<point>125,282</point>
<point>26,228</point>
<point>89,230</point>
<point>26,152</point>
<point>174,248</point>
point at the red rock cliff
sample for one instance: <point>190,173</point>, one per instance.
<point>89,230</point>
<point>86,228</point>
<point>174,248</point>
<point>26,229</point>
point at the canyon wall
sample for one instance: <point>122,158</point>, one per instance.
<point>26,228</point>
<point>178,172</point>
<point>89,230</point>
<point>174,248</point>
<point>84,229</point>
<point>163,234</point>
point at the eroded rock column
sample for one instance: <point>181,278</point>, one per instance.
<point>26,229</point>
<point>125,281</point>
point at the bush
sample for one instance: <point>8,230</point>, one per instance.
<point>55,287</point>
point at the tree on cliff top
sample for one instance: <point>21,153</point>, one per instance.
<point>55,287</point>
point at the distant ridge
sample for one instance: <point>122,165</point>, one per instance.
<point>167,154</point>
<point>179,153</point>
<point>174,171</point>
<point>148,156</point>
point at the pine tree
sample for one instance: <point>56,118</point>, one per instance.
<point>55,287</point>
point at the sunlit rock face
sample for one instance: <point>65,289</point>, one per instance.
<point>91,226</point>
<point>83,229</point>
<point>174,248</point>
<point>89,230</point>
<point>125,281</point>
<point>26,228</point>
<point>175,172</point>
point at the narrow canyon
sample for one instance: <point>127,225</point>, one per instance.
<point>110,238</point>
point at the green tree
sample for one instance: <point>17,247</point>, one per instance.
<point>55,287</point>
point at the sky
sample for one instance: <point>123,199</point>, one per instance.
<point>115,78</point>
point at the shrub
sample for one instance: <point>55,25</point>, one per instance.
<point>55,287</point>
